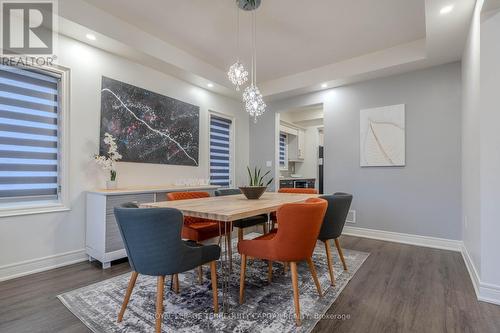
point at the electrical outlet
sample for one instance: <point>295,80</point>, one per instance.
<point>269,164</point>
<point>351,217</point>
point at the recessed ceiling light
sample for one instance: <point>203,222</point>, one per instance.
<point>324,85</point>
<point>210,85</point>
<point>90,36</point>
<point>446,9</point>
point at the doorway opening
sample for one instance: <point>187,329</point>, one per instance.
<point>300,152</point>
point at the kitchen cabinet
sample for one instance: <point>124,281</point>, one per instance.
<point>301,143</point>
<point>296,146</point>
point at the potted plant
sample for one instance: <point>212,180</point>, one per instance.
<point>256,186</point>
<point>108,162</point>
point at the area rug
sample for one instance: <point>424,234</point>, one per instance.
<point>268,307</point>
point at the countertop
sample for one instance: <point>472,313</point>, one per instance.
<point>300,178</point>
<point>153,189</point>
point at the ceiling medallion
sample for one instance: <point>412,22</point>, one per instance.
<point>248,5</point>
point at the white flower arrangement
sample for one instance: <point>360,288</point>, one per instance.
<point>108,161</point>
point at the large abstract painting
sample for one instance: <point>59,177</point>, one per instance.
<point>149,127</point>
<point>382,136</point>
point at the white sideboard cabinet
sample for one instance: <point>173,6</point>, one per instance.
<point>103,241</point>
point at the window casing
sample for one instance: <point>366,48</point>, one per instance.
<point>221,150</point>
<point>32,159</point>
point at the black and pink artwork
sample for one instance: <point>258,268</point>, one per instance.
<point>149,127</point>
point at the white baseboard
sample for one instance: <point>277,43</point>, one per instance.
<point>426,241</point>
<point>471,268</point>
<point>489,293</point>
<point>32,266</point>
<point>485,292</point>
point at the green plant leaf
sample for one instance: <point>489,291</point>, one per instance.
<point>255,180</point>
<point>269,182</point>
<point>250,176</point>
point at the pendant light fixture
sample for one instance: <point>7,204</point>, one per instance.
<point>254,102</point>
<point>237,73</point>
<point>252,98</point>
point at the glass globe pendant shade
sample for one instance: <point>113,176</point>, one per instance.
<point>238,75</point>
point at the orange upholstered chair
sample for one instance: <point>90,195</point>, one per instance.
<point>194,228</point>
<point>292,190</point>
<point>294,241</point>
<point>198,229</point>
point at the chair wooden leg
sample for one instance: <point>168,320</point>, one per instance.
<point>159,302</point>
<point>213,275</point>
<point>330,264</point>
<point>315,276</point>
<point>341,254</point>
<point>176,283</point>
<point>269,271</point>
<point>285,267</point>
<point>131,284</point>
<point>200,274</point>
<point>264,228</point>
<point>240,234</point>
<point>295,285</point>
<point>242,277</point>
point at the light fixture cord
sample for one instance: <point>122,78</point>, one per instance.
<point>254,42</point>
<point>237,32</point>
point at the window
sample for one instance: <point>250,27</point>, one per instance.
<point>30,137</point>
<point>283,151</point>
<point>220,151</point>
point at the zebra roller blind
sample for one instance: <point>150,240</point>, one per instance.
<point>28,134</point>
<point>282,149</point>
<point>220,151</point>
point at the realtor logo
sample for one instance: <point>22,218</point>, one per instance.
<point>27,27</point>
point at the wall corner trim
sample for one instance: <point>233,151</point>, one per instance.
<point>12,271</point>
<point>426,241</point>
<point>471,268</point>
<point>485,292</point>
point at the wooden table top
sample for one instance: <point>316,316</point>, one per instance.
<point>231,207</point>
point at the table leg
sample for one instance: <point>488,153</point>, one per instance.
<point>225,264</point>
<point>230,250</point>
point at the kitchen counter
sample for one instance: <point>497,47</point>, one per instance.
<point>294,178</point>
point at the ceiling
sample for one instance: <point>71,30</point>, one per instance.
<point>491,5</point>
<point>292,35</point>
<point>303,46</point>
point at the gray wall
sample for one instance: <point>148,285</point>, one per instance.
<point>422,198</point>
<point>263,142</point>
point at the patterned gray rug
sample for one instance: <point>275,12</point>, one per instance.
<point>267,307</point>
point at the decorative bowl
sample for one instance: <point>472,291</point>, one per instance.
<point>253,192</point>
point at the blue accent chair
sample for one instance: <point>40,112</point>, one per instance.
<point>246,222</point>
<point>338,207</point>
<point>152,239</point>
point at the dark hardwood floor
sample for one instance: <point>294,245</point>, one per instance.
<point>400,288</point>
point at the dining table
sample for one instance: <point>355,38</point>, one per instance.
<point>227,209</point>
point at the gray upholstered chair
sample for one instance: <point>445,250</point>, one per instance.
<point>246,222</point>
<point>333,224</point>
<point>152,238</point>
